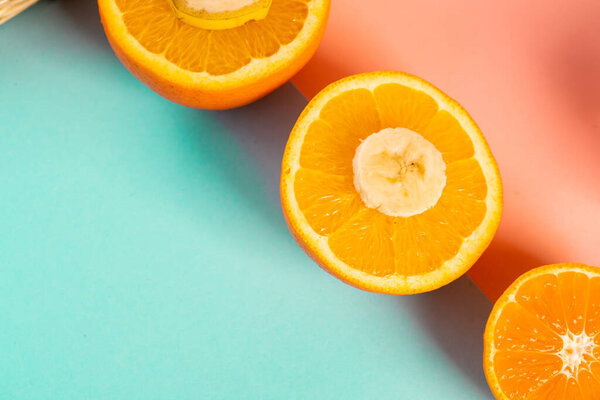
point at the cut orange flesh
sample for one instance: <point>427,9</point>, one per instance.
<point>366,246</point>
<point>542,340</point>
<point>213,68</point>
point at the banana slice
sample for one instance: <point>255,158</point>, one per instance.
<point>220,14</point>
<point>399,172</point>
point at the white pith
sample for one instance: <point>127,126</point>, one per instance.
<point>577,353</point>
<point>398,172</point>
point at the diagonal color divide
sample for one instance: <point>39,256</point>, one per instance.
<point>528,72</point>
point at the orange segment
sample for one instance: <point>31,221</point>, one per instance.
<point>352,115</point>
<point>552,389</point>
<point>286,19</point>
<point>188,48</point>
<point>459,209</point>
<point>519,326</point>
<point>260,41</point>
<point>327,201</point>
<point>404,107</point>
<point>595,367</point>
<point>424,242</point>
<point>374,249</point>
<point>325,151</point>
<point>213,68</point>
<point>463,203</point>
<point>542,298</point>
<point>589,385</point>
<point>153,21</point>
<point>525,372</point>
<point>535,343</point>
<point>449,137</point>
<point>371,230</point>
<point>575,288</point>
<point>466,180</point>
<point>331,140</point>
<point>572,390</point>
<point>221,58</point>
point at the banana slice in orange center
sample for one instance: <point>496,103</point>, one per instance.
<point>220,14</point>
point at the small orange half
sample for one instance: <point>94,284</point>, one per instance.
<point>542,340</point>
<point>359,244</point>
<point>213,69</point>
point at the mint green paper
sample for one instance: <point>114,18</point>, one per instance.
<point>143,254</point>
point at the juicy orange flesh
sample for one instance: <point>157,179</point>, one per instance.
<point>366,239</point>
<point>528,338</point>
<point>217,52</point>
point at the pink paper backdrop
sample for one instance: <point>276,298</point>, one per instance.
<point>529,74</point>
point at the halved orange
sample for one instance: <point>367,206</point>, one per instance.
<point>542,340</point>
<point>213,69</point>
<point>389,185</point>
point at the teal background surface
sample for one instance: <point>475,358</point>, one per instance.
<point>143,252</point>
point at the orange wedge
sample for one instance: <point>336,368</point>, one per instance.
<point>542,340</point>
<point>214,68</point>
<point>389,185</point>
